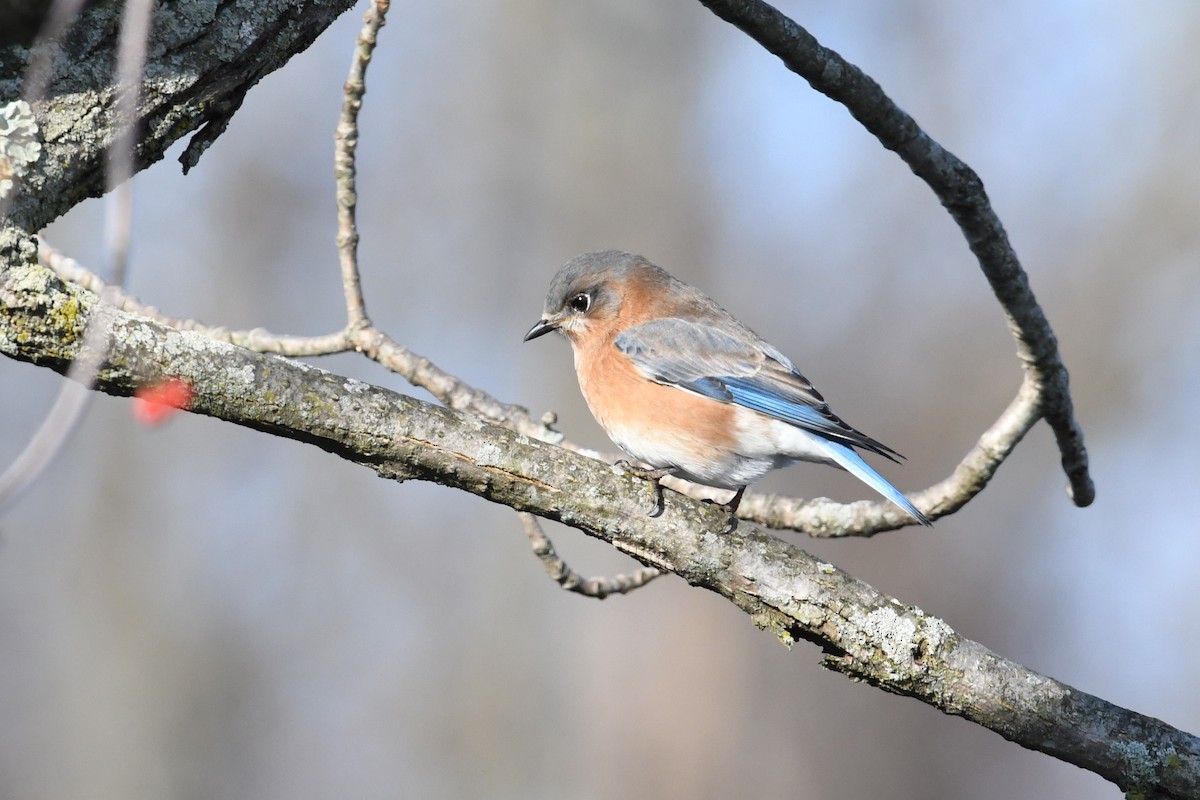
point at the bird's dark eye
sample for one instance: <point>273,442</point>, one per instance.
<point>580,302</point>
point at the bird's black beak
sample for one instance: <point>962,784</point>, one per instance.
<point>541,328</point>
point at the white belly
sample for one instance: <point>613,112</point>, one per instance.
<point>762,444</point>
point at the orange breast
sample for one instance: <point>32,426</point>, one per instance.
<point>659,425</point>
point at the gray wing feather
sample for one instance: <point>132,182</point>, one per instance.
<point>728,362</point>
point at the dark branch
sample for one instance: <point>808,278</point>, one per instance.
<point>958,188</point>
<point>199,75</point>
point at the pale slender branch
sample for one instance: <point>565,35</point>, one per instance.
<point>47,441</point>
<point>571,580</point>
<point>824,518</point>
<point>345,144</point>
<point>361,333</point>
<point>864,634</point>
<point>257,339</point>
<point>449,389</point>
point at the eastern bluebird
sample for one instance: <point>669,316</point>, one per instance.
<point>683,387</point>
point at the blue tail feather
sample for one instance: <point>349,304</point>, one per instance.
<point>853,463</point>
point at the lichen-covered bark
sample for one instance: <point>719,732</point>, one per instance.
<point>864,633</point>
<point>203,58</point>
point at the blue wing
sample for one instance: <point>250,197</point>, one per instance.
<point>727,362</point>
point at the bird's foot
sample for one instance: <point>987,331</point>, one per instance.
<point>652,475</point>
<point>730,508</point>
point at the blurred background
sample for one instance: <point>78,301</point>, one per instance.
<point>199,610</point>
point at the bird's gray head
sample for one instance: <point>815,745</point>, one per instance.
<point>590,290</point>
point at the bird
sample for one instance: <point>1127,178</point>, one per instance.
<point>684,388</point>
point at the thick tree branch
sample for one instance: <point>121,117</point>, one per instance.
<point>864,633</point>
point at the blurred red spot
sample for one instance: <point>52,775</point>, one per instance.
<point>152,405</point>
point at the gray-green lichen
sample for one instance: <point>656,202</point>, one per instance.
<point>894,635</point>
<point>19,145</point>
<point>41,319</point>
<point>1141,765</point>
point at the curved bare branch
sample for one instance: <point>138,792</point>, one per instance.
<point>961,192</point>
<point>572,581</point>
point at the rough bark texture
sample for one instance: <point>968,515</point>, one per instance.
<point>202,59</point>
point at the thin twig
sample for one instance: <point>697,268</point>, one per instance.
<point>369,340</point>
<point>256,339</point>
<point>131,59</point>
<point>451,390</point>
<point>571,580</point>
<point>345,145</point>
<point>823,518</point>
<point>375,344</point>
